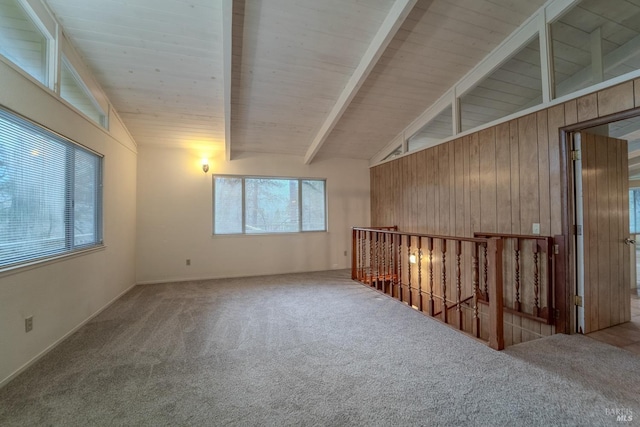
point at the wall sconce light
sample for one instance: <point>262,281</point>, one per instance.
<point>205,165</point>
<point>412,258</point>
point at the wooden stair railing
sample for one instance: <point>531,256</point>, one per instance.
<point>527,256</point>
<point>458,280</point>
<point>431,273</point>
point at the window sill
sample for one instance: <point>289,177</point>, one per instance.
<point>295,233</point>
<point>21,268</point>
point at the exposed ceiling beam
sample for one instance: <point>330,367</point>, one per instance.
<point>398,13</point>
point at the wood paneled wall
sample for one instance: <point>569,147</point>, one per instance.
<point>499,180</point>
<point>502,179</point>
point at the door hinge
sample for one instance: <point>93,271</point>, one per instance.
<point>578,300</point>
<point>575,155</point>
<point>556,249</point>
<point>577,230</point>
<point>556,313</point>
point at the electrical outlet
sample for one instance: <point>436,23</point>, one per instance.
<point>536,228</point>
<point>188,262</point>
<point>28,324</point>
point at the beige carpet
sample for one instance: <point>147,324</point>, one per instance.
<point>314,349</point>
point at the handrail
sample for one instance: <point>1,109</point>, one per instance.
<point>434,236</point>
<point>431,273</point>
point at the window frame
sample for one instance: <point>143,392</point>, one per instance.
<point>65,61</point>
<point>633,192</point>
<point>71,248</point>
<point>50,46</point>
<point>244,203</point>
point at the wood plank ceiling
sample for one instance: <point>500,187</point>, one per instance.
<point>161,64</point>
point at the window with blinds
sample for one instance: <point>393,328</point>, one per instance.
<point>50,193</point>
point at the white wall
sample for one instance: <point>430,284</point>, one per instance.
<point>175,218</point>
<point>61,295</point>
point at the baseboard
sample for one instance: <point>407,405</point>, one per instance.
<point>230,276</point>
<point>58,341</point>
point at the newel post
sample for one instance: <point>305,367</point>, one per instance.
<point>496,327</point>
<point>354,260</point>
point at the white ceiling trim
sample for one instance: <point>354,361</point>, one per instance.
<point>398,13</point>
<point>535,25</point>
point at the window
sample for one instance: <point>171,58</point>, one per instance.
<point>515,86</point>
<point>438,128</point>
<point>259,205</point>
<point>395,153</point>
<point>634,211</point>
<point>73,90</point>
<point>593,42</point>
<point>21,41</point>
<point>50,193</point>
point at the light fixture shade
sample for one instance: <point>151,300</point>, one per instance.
<point>205,165</point>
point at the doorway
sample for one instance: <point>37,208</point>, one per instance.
<point>605,162</point>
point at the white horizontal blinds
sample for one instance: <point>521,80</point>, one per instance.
<point>37,215</point>
<point>21,41</point>
<point>313,205</point>
<point>32,194</point>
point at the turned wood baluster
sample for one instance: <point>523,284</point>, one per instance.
<point>517,250</point>
<point>458,283</point>
<point>377,252</point>
<point>356,255</point>
<point>420,273</point>
<point>445,315</point>
<point>536,290</point>
<point>476,290</point>
<point>384,260</point>
<point>400,268</point>
<point>409,292</point>
<point>395,264</point>
<point>371,258</point>
<point>355,265</point>
<point>363,255</point>
<point>430,249</point>
<point>486,274</point>
<point>391,272</point>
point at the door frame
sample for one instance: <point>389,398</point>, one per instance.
<point>566,268</point>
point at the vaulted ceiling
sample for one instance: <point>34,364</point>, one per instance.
<point>330,78</point>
